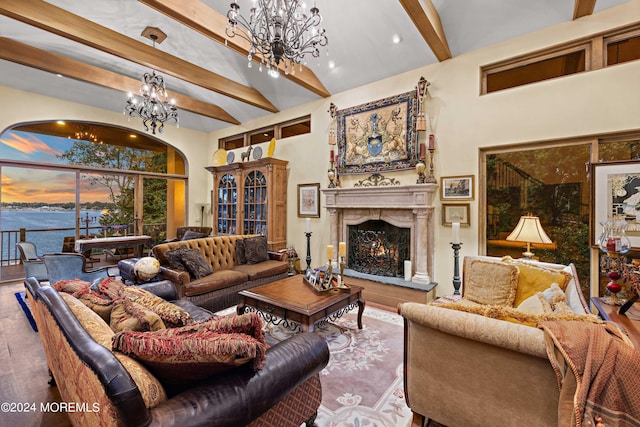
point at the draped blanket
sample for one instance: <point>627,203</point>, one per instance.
<point>598,374</point>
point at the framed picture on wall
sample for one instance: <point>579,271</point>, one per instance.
<point>309,200</point>
<point>455,213</point>
<point>456,187</point>
<point>616,197</point>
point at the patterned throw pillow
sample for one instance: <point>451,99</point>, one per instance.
<point>130,316</point>
<point>101,304</point>
<point>171,314</point>
<point>241,258</point>
<point>174,258</point>
<point>194,352</point>
<point>195,264</point>
<point>256,249</point>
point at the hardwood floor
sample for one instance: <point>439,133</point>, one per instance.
<point>24,375</point>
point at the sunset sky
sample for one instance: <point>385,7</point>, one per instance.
<point>38,185</point>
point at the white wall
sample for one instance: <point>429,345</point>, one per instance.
<point>599,101</point>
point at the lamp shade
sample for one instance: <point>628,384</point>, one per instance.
<point>529,230</point>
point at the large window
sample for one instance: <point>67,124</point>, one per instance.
<point>551,181</point>
<point>67,180</point>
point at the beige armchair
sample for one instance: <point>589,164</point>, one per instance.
<point>464,369</point>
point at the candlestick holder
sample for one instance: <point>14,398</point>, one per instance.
<point>456,267</point>
<point>331,174</point>
<point>420,167</point>
<point>342,266</point>
<point>431,179</point>
<point>308,259</point>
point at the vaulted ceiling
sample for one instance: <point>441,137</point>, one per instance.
<point>93,52</point>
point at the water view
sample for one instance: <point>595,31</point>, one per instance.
<point>37,222</point>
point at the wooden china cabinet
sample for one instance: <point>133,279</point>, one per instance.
<point>251,198</point>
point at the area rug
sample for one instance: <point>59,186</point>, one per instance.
<point>24,304</point>
<point>362,385</point>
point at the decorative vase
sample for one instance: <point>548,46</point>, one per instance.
<point>613,239</point>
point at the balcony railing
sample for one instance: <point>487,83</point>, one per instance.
<point>51,240</point>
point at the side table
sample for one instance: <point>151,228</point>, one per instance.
<point>610,313</point>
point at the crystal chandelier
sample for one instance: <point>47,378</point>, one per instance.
<point>152,105</point>
<point>278,30</point>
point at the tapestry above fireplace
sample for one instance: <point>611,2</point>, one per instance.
<point>378,136</point>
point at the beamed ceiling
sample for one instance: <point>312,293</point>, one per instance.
<point>97,48</point>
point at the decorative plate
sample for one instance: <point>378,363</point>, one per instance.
<point>272,147</point>
<point>219,157</point>
<point>257,153</point>
<point>231,156</point>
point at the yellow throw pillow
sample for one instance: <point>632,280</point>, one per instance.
<point>533,279</point>
<point>490,282</point>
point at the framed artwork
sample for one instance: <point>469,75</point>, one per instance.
<point>378,136</point>
<point>616,197</point>
<point>457,187</point>
<point>456,213</point>
<point>309,200</point>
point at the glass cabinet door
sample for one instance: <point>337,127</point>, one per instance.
<point>255,203</point>
<point>227,207</point>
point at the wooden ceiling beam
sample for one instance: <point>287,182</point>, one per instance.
<point>583,8</point>
<point>212,24</point>
<point>427,21</point>
<point>65,24</point>
<point>29,56</point>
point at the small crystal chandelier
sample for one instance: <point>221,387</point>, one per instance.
<point>85,133</point>
<point>152,105</point>
<point>278,30</point>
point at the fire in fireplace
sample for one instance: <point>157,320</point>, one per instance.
<point>379,248</point>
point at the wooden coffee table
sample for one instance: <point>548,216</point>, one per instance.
<point>296,305</point>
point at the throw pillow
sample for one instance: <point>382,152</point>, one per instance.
<point>196,265</point>
<point>174,259</point>
<point>535,278</point>
<point>256,249</point>
<point>101,304</point>
<point>191,353</point>
<point>490,282</point>
<point>146,268</point>
<point>130,316</point>
<point>190,234</point>
<point>241,258</point>
<point>171,314</point>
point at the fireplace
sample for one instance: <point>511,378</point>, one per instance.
<point>407,207</point>
<point>377,247</point>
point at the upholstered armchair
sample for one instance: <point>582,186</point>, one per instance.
<point>63,266</point>
<point>32,262</point>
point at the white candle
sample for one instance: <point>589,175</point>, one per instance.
<point>307,225</point>
<point>342,248</point>
<point>329,251</point>
<point>455,232</point>
<point>407,270</point>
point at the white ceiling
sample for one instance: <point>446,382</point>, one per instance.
<point>360,36</point>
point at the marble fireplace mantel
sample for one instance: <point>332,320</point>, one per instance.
<point>407,206</point>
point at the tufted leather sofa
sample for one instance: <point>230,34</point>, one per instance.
<point>285,392</point>
<point>220,289</point>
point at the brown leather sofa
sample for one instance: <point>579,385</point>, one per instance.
<point>219,290</point>
<point>285,392</point>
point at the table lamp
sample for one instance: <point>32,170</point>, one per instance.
<point>529,230</point>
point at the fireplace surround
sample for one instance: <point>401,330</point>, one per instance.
<point>404,206</point>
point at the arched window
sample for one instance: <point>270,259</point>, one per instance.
<point>62,179</point>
